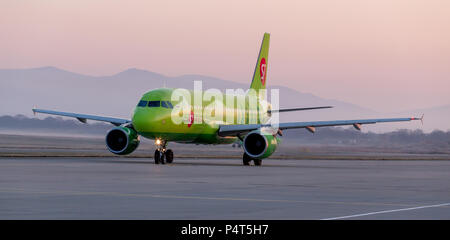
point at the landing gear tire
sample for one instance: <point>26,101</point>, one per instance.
<point>159,157</point>
<point>257,162</point>
<point>246,159</point>
<point>162,160</point>
<point>169,155</point>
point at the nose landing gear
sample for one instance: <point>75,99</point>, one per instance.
<point>162,155</point>
<point>159,157</point>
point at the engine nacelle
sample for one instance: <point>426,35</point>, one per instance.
<point>122,140</point>
<point>260,145</point>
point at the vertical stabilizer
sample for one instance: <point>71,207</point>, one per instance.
<point>260,74</point>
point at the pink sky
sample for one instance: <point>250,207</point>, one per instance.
<point>387,55</point>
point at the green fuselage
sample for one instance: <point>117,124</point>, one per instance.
<point>156,122</point>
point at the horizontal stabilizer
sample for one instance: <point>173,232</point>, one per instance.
<point>297,109</point>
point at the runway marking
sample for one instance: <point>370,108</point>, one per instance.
<point>26,191</point>
<point>387,211</point>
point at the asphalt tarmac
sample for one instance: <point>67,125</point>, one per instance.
<point>135,188</point>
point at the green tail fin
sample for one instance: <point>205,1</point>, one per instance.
<point>260,74</point>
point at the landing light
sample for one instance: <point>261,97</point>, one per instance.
<point>158,142</point>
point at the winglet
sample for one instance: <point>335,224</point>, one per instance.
<point>421,118</point>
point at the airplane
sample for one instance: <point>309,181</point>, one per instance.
<point>153,119</point>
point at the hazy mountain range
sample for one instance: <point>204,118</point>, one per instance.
<point>117,95</point>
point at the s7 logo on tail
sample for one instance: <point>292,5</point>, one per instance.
<point>262,70</point>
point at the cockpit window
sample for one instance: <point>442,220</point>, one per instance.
<point>166,104</point>
<point>154,103</point>
<point>142,103</point>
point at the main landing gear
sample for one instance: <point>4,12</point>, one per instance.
<point>162,155</point>
<point>246,159</point>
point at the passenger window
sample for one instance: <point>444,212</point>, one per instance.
<point>154,103</point>
<point>142,103</point>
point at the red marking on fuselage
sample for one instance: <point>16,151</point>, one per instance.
<point>191,119</point>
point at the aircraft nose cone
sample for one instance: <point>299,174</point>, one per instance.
<point>141,120</point>
<point>146,120</point>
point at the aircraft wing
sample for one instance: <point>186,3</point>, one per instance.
<point>239,129</point>
<point>83,117</point>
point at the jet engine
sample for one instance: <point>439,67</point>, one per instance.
<point>260,145</point>
<point>122,140</point>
